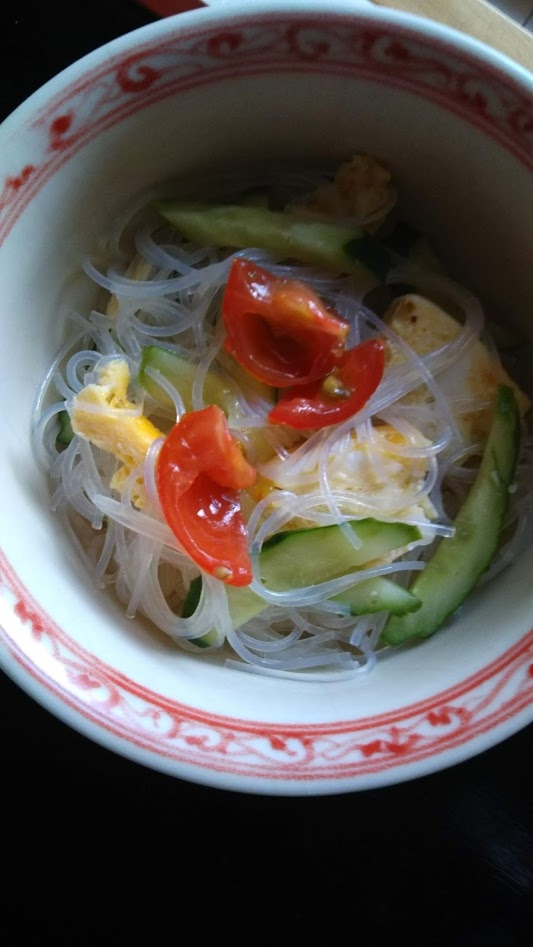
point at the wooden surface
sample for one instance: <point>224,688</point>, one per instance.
<point>478,19</point>
<point>506,25</point>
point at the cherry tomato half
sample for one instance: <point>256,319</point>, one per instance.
<point>339,395</point>
<point>279,330</point>
<point>199,472</point>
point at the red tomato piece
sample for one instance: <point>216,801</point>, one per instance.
<point>279,330</point>
<point>337,397</point>
<point>199,471</point>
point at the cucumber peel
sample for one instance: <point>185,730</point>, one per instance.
<point>460,561</point>
<point>65,433</point>
<point>364,598</point>
<point>335,246</point>
<point>378,595</point>
<point>303,557</point>
<point>181,372</point>
<point>218,389</point>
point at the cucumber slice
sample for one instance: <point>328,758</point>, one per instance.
<point>301,557</point>
<point>219,389</point>
<point>459,562</point>
<point>190,604</point>
<point>65,433</point>
<point>364,598</point>
<point>339,247</point>
<point>378,595</point>
<point>180,372</point>
<point>242,602</point>
<point>290,560</point>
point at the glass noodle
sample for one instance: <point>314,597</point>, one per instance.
<point>157,289</point>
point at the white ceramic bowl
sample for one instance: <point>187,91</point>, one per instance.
<point>192,93</point>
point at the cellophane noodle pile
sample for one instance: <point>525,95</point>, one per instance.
<point>156,288</point>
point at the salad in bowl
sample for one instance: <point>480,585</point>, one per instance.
<point>286,429</point>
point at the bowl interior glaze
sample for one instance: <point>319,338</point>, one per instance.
<point>203,93</point>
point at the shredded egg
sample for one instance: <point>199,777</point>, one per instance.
<point>102,413</point>
<point>470,384</point>
<point>380,475</point>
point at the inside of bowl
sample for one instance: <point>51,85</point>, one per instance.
<point>463,184</point>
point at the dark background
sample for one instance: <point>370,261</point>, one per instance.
<point>97,850</point>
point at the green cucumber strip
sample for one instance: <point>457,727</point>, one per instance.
<point>242,602</point>
<point>461,560</point>
<point>205,641</point>
<point>339,247</point>
<point>192,597</point>
<point>218,389</point>
<point>65,433</point>
<point>297,558</point>
<point>378,595</point>
<point>365,598</point>
<point>290,560</point>
<point>367,251</point>
<point>180,372</point>
<point>189,607</point>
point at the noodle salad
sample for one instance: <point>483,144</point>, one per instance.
<point>284,430</point>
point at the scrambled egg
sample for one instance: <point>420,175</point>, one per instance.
<point>361,188</point>
<point>475,376</point>
<point>376,475</point>
<point>100,413</point>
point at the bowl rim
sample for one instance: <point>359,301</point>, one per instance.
<point>511,715</point>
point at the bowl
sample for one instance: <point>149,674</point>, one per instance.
<point>193,97</point>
